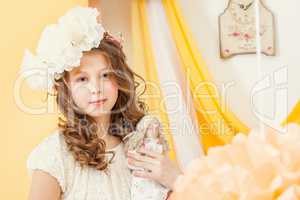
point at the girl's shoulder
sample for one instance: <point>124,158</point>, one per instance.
<point>51,144</point>
<point>49,156</point>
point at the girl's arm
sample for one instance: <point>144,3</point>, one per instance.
<point>44,186</point>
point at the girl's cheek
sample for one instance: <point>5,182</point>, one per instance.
<point>114,84</point>
<point>80,95</point>
<point>111,89</point>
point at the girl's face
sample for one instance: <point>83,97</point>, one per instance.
<point>92,87</point>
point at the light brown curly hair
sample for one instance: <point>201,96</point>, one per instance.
<point>79,129</point>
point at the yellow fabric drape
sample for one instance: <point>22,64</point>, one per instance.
<point>217,125</point>
<point>294,116</point>
<point>144,65</point>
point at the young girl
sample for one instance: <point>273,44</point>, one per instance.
<point>95,91</point>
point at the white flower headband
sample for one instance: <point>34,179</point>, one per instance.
<point>61,46</point>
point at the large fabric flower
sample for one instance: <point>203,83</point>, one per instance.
<point>83,28</point>
<point>34,70</point>
<point>61,46</point>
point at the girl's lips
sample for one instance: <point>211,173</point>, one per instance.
<point>100,101</point>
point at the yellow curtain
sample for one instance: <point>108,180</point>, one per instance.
<point>217,124</point>
<point>144,65</point>
<point>294,116</point>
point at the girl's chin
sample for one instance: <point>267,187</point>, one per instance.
<point>96,110</point>
<point>98,113</point>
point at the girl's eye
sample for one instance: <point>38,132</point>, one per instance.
<point>81,79</point>
<point>105,75</point>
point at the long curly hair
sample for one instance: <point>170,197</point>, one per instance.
<point>80,130</point>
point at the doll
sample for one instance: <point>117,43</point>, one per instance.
<point>148,134</point>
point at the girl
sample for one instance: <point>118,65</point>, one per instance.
<point>95,91</point>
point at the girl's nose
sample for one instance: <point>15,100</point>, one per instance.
<point>95,91</point>
<point>95,87</point>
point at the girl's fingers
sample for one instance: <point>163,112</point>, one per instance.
<point>142,174</point>
<point>150,153</point>
<point>144,165</point>
<point>143,158</point>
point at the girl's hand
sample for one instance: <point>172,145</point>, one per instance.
<point>158,167</point>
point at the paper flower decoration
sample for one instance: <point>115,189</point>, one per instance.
<point>260,166</point>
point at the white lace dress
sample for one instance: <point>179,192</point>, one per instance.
<point>77,183</point>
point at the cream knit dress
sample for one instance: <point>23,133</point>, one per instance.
<point>53,157</point>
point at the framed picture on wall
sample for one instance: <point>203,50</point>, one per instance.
<point>238,30</point>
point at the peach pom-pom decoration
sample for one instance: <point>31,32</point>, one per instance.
<point>260,166</point>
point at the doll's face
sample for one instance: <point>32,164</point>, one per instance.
<point>92,87</point>
<point>153,131</point>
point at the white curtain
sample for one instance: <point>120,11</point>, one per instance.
<point>175,89</point>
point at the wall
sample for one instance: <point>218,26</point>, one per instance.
<point>277,75</point>
<point>22,23</point>
<point>202,18</point>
